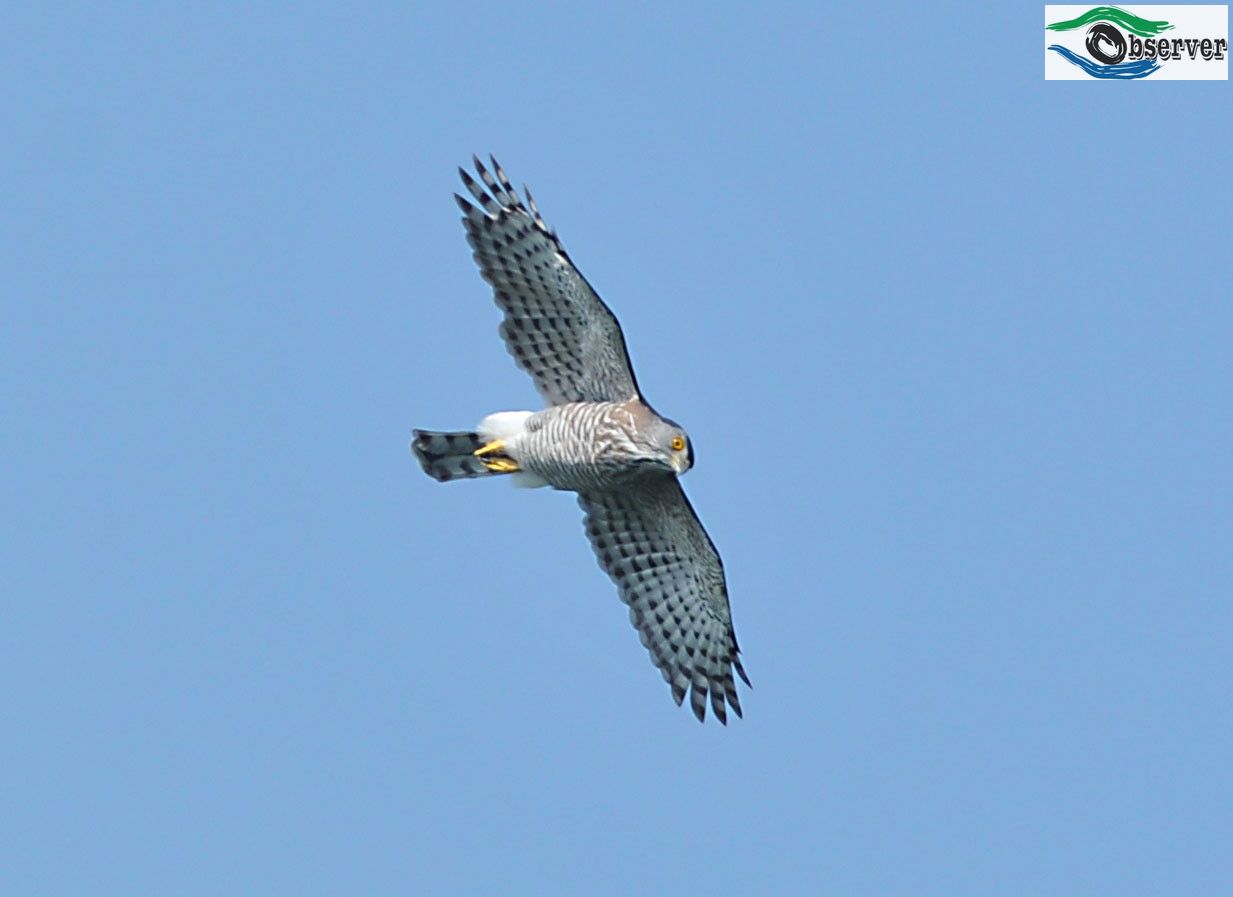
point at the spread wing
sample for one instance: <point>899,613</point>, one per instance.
<point>650,541</point>
<point>556,326</point>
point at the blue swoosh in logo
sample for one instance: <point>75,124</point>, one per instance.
<point>1123,70</point>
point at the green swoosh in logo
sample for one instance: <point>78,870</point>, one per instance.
<point>1128,20</point>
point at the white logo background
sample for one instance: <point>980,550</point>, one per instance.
<point>1187,21</point>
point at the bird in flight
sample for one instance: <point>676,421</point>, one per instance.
<point>597,437</point>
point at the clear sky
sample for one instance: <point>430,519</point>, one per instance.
<point>952,344</point>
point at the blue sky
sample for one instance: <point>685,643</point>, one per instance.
<point>952,343</point>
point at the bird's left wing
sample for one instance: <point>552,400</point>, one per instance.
<point>556,326</point>
<point>650,541</point>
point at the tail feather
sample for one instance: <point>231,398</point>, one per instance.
<point>449,456</point>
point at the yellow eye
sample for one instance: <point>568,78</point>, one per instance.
<point>678,443</point>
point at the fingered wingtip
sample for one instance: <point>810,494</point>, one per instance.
<point>500,173</point>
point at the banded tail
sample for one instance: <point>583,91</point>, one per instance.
<point>450,456</point>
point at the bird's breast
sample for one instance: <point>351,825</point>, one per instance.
<point>579,446</point>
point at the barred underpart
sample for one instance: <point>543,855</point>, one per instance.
<point>580,446</point>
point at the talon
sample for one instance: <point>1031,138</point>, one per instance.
<point>500,462</point>
<point>500,465</point>
<point>495,446</point>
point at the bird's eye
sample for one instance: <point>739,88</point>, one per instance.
<point>678,443</point>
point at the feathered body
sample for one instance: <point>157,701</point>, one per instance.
<point>582,446</point>
<point>597,437</point>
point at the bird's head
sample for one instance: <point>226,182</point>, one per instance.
<point>669,446</point>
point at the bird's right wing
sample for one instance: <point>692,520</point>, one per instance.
<point>556,326</point>
<point>650,541</point>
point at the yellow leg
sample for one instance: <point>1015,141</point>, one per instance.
<point>499,464</point>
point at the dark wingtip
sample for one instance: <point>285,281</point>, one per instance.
<point>741,671</point>
<point>718,710</point>
<point>697,701</point>
<point>480,169</point>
